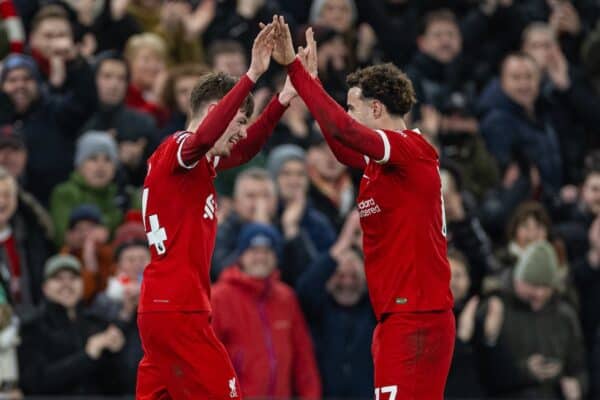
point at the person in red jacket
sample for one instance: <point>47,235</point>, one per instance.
<point>258,319</point>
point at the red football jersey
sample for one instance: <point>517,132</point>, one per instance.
<point>404,234</point>
<point>179,211</point>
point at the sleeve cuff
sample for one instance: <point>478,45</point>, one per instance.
<point>295,65</point>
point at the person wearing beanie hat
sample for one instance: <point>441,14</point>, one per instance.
<point>296,216</point>
<point>531,334</point>
<point>91,182</point>
<point>250,305</point>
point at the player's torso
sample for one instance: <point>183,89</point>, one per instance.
<point>404,237</point>
<point>179,211</point>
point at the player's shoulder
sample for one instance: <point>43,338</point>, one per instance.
<point>416,140</point>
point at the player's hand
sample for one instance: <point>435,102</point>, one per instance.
<point>308,55</point>
<point>494,319</point>
<point>261,52</point>
<point>288,93</point>
<point>283,50</point>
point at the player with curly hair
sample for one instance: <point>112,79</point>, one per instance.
<point>401,213</point>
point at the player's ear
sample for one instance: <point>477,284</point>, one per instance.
<point>377,109</point>
<point>210,107</point>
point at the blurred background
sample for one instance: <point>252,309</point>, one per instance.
<point>508,93</point>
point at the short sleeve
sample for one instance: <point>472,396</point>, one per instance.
<point>169,153</point>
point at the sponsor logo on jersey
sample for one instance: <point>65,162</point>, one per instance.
<point>232,388</point>
<point>210,207</point>
<point>367,208</point>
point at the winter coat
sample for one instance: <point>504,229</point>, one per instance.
<point>260,323</point>
<point>51,126</point>
<point>52,356</point>
<point>554,332</point>
<point>74,192</point>
<point>342,335</point>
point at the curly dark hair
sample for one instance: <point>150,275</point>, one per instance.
<point>214,86</point>
<point>526,210</point>
<point>386,83</point>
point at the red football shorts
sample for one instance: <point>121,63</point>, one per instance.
<point>183,359</point>
<point>412,353</point>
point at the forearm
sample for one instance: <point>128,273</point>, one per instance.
<point>215,122</point>
<point>258,134</point>
<point>338,128</point>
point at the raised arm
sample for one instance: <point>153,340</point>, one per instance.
<point>259,132</point>
<point>335,123</point>
<point>218,118</point>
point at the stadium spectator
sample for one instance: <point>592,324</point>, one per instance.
<point>464,231</point>
<point>176,95</point>
<point>135,132</point>
<point>23,246</point>
<point>565,91</point>
<point>91,183</point>
<point>9,341</point>
<point>455,131</point>
<point>119,302</point>
<point>333,295</point>
<point>512,103</point>
<point>228,56</point>
<point>296,125</point>
<point>146,54</point>
<point>239,20</point>
<point>331,188</point>
<point>49,122</point>
<point>65,350</point>
<point>530,341</point>
<point>463,380</point>
<point>586,274</point>
<point>259,321</point>
<point>296,218</point>
<point>87,239</point>
<point>255,200</point>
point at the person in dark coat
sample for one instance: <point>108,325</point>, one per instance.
<point>463,379</point>
<point>255,200</point>
<point>514,124</point>
<point>333,295</point>
<point>50,122</point>
<point>135,132</point>
<point>65,350</point>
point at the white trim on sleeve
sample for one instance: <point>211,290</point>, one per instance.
<point>367,159</point>
<point>386,147</point>
<point>179,159</point>
<point>216,161</point>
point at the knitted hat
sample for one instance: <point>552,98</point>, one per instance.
<point>282,154</point>
<point>95,142</point>
<point>85,212</point>
<point>538,265</point>
<point>19,61</point>
<point>129,234</point>
<point>255,235</point>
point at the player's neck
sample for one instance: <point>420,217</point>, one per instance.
<point>390,123</point>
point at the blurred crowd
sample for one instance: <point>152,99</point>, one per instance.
<point>509,94</point>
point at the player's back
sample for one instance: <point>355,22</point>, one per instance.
<point>401,212</point>
<point>179,211</point>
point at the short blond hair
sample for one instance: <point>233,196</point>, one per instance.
<point>145,40</point>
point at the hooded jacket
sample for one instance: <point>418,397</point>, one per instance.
<point>260,323</point>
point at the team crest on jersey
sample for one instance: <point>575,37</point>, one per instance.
<point>367,208</point>
<point>232,388</point>
<point>210,207</point>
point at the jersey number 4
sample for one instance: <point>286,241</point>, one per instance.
<point>157,234</point>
